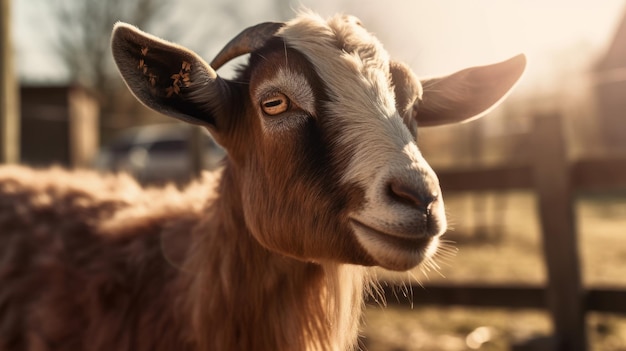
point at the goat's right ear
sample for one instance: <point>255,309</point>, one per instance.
<point>166,77</point>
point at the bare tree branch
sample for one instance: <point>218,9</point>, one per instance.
<point>84,28</point>
<point>81,38</point>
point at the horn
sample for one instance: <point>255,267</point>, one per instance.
<point>250,39</point>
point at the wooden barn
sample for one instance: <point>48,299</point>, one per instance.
<point>59,125</point>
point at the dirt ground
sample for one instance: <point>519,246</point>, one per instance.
<point>498,241</point>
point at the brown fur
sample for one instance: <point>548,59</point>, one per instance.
<point>68,282</point>
<point>89,263</point>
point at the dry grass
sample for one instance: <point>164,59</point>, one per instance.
<point>499,241</point>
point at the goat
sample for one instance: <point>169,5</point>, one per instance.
<point>322,180</point>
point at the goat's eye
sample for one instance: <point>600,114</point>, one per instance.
<point>275,104</point>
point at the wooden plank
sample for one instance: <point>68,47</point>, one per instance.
<point>509,296</point>
<point>597,174</point>
<point>472,295</point>
<point>9,92</point>
<point>506,177</point>
<point>560,246</point>
<point>587,174</point>
<point>83,120</point>
<point>606,300</point>
<point>196,151</point>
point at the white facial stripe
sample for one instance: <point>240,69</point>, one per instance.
<point>354,75</point>
<point>292,84</point>
<point>354,69</point>
<point>356,78</point>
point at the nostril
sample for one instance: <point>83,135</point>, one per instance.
<point>411,195</point>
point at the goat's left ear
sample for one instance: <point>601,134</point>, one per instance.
<point>467,94</point>
<point>168,78</point>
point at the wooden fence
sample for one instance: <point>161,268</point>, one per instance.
<point>556,182</point>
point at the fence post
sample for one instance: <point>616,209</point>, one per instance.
<point>553,185</point>
<point>196,152</point>
<point>83,120</point>
<point>9,91</point>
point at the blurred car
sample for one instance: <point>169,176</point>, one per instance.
<point>159,153</point>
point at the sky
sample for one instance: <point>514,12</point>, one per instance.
<point>433,36</point>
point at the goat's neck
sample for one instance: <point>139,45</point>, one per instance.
<point>263,300</point>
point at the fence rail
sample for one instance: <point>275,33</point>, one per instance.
<point>585,174</point>
<point>510,296</point>
<point>597,174</point>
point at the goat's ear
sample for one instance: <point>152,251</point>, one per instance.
<point>166,77</point>
<point>467,94</point>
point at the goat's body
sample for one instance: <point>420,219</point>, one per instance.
<point>99,263</point>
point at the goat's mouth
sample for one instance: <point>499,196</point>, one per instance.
<point>394,250</point>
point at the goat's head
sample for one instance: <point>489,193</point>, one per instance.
<point>320,129</point>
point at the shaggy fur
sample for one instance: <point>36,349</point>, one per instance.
<point>82,264</point>
<point>124,253</point>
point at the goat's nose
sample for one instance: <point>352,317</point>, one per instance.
<point>410,194</point>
